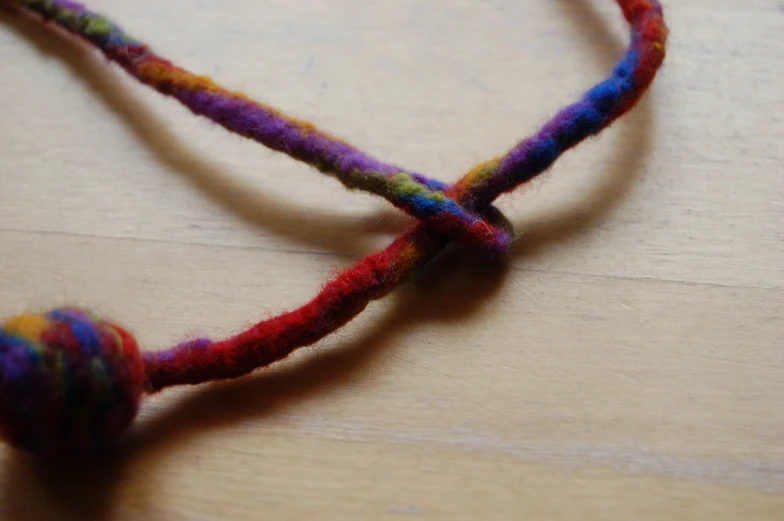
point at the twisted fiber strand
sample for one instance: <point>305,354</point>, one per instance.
<point>414,193</point>
<point>375,276</point>
<point>347,295</point>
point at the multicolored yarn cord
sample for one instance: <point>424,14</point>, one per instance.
<point>71,382</point>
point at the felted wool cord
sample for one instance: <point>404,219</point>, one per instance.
<point>420,197</point>
<point>70,381</point>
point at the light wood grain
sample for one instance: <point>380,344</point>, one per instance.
<point>627,363</point>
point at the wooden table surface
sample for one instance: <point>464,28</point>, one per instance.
<point>627,363</point>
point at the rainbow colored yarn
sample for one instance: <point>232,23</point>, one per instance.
<point>70,382</point>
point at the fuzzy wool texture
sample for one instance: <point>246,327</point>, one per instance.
<point>462,211</point>
<point>70,381</point>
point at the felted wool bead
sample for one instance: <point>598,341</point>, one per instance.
<point>69,382</point>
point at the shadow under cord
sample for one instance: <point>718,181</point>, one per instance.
<point>111,87</point>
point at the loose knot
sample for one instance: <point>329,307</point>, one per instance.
<point>442,211</point>
<point>435,204</point>
<point>69,382</point>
